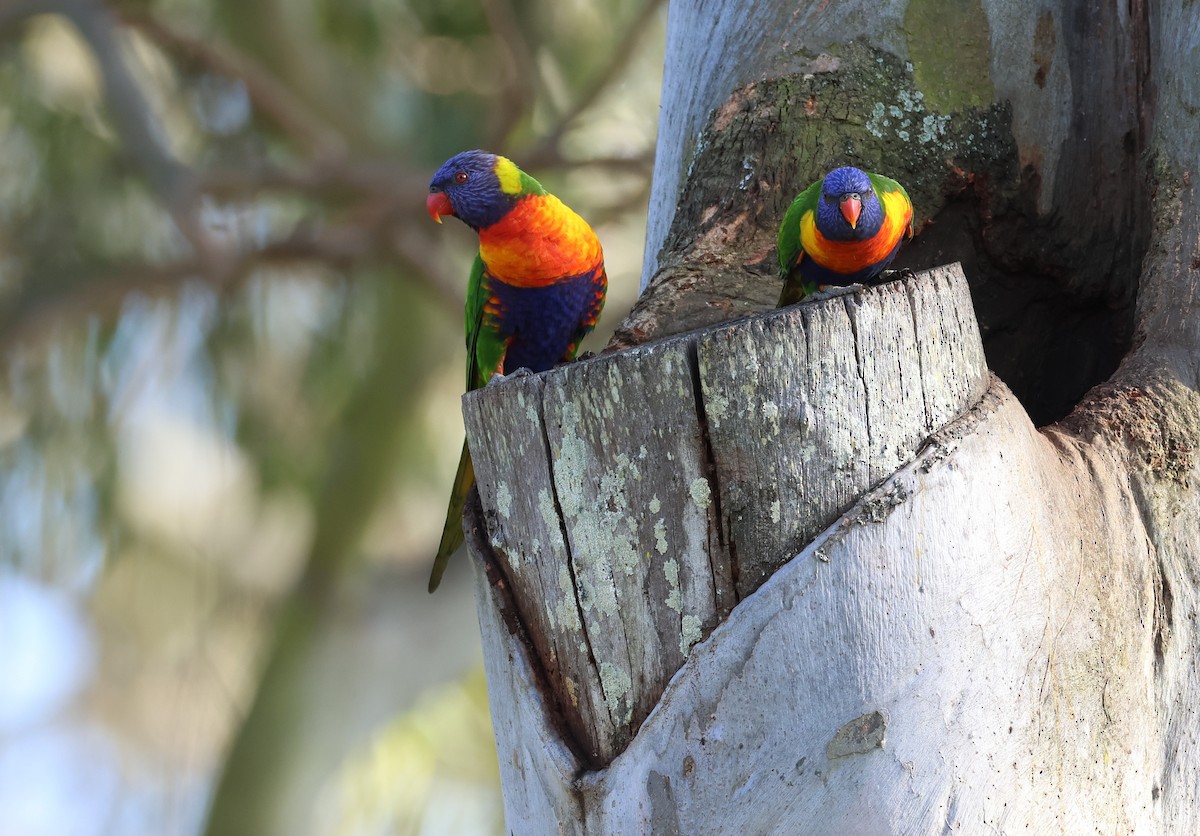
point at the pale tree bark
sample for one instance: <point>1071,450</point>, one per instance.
<point>817,571</point>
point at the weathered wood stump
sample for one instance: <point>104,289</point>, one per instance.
<point>631,500</point>
<point>914,663</point>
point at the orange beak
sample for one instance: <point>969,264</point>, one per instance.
<point>438,204</point>
<point>851,207</point>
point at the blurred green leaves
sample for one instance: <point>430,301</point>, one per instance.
<point>232,342</point>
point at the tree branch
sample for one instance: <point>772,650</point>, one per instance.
<point>619,61</point>
<point>142,138</point>
<point>338,247</point>
<point>144,142</point>
<point>17,11</point>
<point>380,225</point>
<point>518,96</point>
<point>272,99</point>
<point>324,178</point>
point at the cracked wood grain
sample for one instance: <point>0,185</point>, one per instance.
<point>811,406</point>
<point>525,532</point>
<point>598,504</point>
<point>632,499</point>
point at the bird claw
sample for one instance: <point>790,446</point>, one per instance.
<point>515,373</point>
<point>892,275</point>
<point>830,291</point>
<point>585,355</point>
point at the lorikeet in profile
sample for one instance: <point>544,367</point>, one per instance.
<point>536,289</point>
<point>842,230</point>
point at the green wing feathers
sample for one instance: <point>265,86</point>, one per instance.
<point>452,530</point>
<point>485,346</point>
<point>788,245</point>
<point>789,230</point>
<point>485,351</point>
<point>884,185</point>
<point>474,320</point>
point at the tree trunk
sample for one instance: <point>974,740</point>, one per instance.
<point>621,561</point>
<point>970,622</point>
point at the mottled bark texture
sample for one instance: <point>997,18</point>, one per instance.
<point>967,623</point>
<point>633,499</point>
<point>1030,169</point>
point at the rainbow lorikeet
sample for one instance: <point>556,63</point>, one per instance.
<point>841,230</point>
<point>536,289</point>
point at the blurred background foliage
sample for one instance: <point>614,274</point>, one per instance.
<point>229,418</point>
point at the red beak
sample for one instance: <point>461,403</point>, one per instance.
<point>851,207</point>
<point>438,204</point>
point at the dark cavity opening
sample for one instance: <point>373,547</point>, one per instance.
<point>1049,345</point>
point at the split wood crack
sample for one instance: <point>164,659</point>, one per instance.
<point>633,499</point>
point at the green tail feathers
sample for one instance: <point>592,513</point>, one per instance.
<point>452,532</point>
<point>795,289</point>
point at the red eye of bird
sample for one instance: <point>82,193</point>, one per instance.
<point>460,177</point>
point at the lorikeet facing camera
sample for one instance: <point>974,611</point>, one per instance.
<point>536,289</point>
<point>842,230</point>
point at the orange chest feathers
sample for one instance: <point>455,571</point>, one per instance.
<point>538,242</point>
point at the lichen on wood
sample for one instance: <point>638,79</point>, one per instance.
<point>1016,606</point>
<point>893,674</point>
<point>774,136</point>
<point>993,183</point>
<point>632,499</point>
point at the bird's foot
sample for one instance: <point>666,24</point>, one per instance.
<point>515,373</point>
<point>892,275</point>
<point>829,291</point>
<point>578,358</point>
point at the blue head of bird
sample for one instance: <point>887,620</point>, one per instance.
<point>468,187</point>
<point>848,209</point>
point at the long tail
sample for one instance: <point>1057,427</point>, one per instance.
<point>452,532</point>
